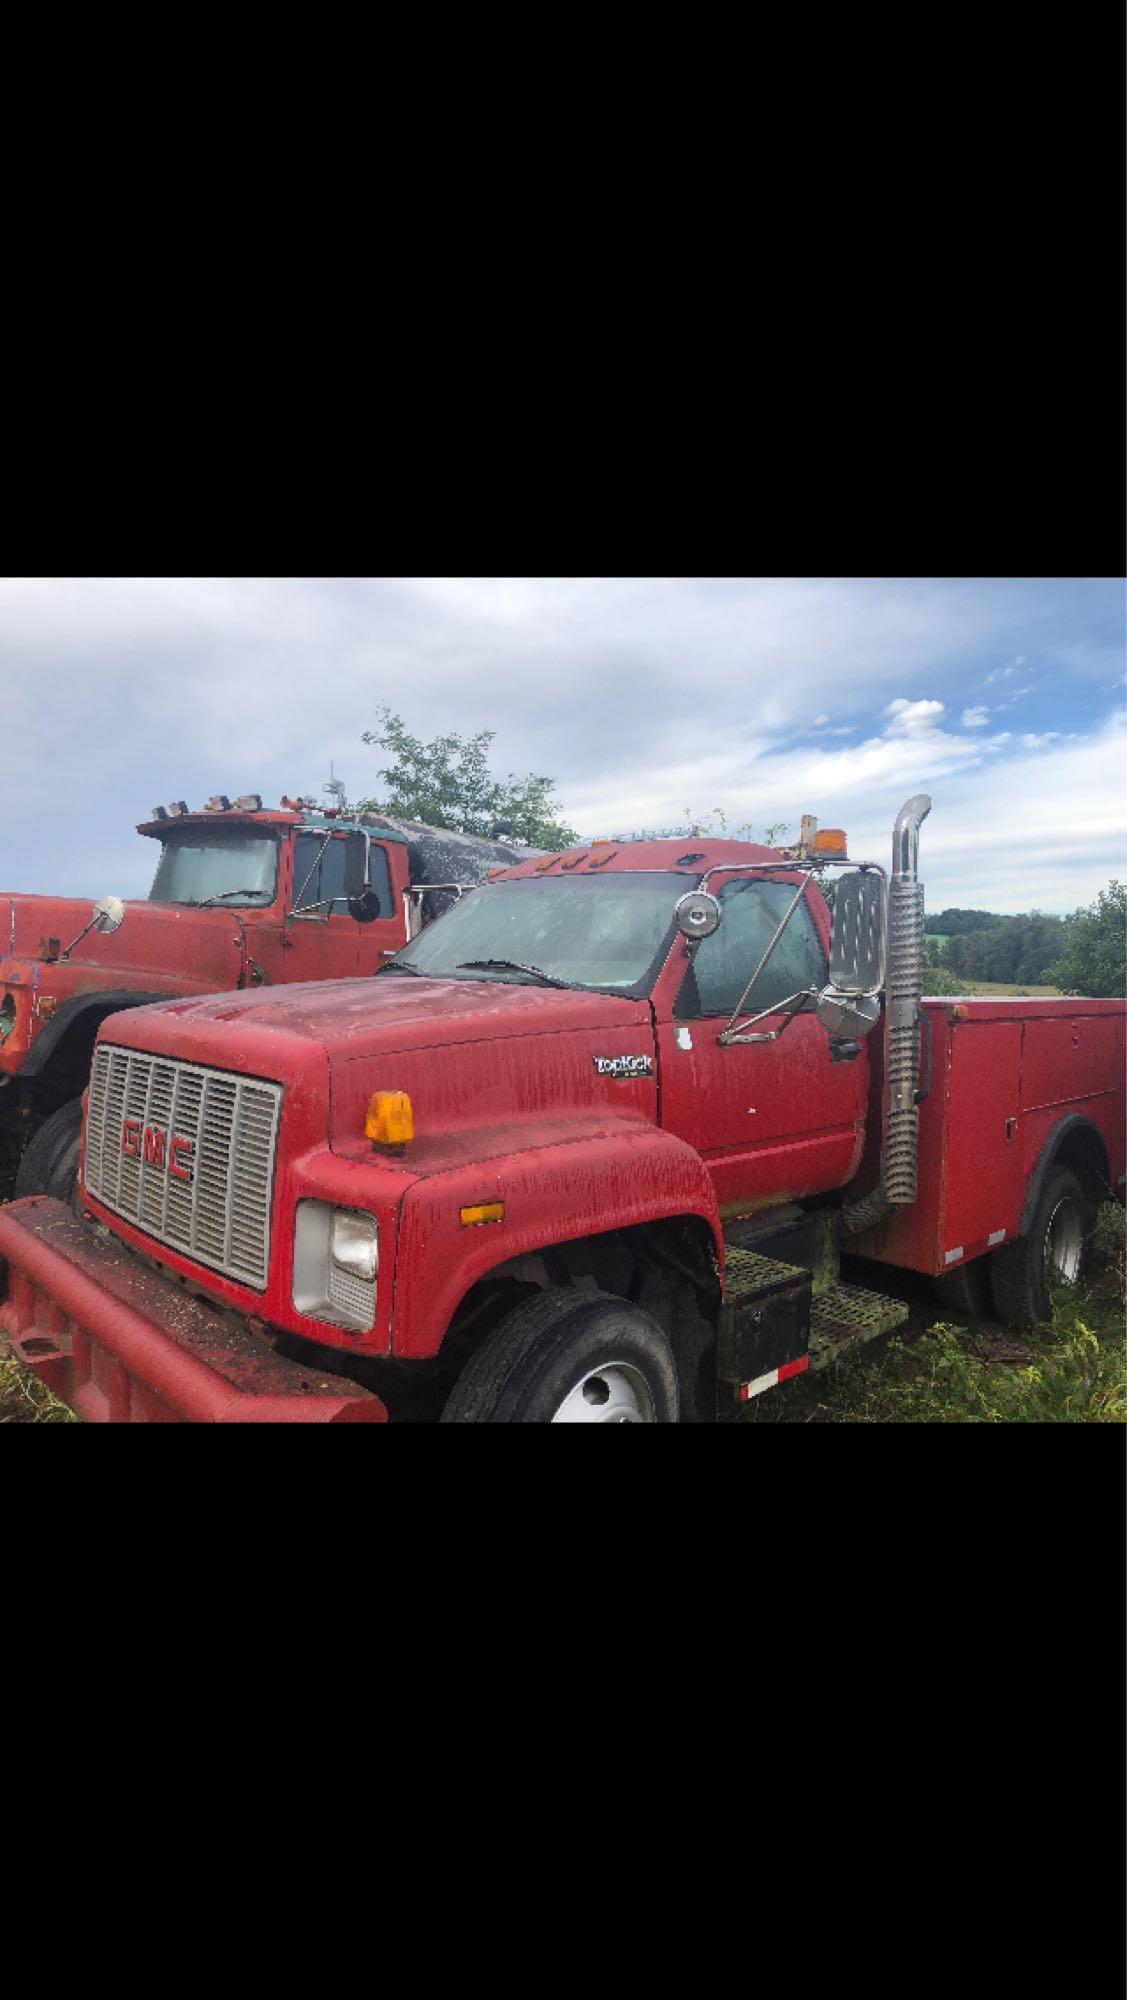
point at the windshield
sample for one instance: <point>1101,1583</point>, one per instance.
<point>605,932</point>
<point>196,867</point>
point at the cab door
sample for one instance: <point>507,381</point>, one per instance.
<point>323,938</point>
<point>772,1120</point>
<point>388,877</point>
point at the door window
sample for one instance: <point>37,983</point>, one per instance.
<point>724,962</point>
<point>318,878</point>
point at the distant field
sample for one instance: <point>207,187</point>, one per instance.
<point>935,937</point>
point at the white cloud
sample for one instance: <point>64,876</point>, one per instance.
<point>975,718</point>
<point>913,718</point>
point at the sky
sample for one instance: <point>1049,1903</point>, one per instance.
<point>648,700</point>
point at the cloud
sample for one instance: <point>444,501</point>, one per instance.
<point>975,718</point>
<point>913,718</point>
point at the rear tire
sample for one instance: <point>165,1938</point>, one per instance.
<point>569,1357</point>
<point>1058,1239</point>
<point>966,1289</point>
<point>50,1161</point>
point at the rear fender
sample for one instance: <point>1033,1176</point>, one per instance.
<point>552,1195</point>
<point>1073,1142</point>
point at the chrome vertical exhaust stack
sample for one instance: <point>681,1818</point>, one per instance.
<point>903,996</point>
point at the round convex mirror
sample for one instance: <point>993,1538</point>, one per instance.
<point>698,914</point>
<point>108,913</point>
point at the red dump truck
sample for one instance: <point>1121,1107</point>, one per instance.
<point>242,897</point>
<point>588,1150</point>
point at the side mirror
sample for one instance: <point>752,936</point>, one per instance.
<point>108,914</point>
<point>847,1016</point>
<point>356,870</point>
<point>857,940</point>
<point>698,914</point>
<point>364,908</point>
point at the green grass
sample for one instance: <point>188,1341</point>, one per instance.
<point>24,1400</point>
<point>979,1372</point>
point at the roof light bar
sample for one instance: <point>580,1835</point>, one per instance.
<point>219,804</point>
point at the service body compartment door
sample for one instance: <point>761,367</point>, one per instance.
<point>983,1186</point>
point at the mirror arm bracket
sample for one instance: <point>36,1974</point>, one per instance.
<point>790,1007</point>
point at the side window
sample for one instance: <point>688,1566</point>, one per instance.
<point>724,963</point>
<point>379,875</point>
<point>318,879</point>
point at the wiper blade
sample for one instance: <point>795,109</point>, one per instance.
<point>401,965</point>
<point>511,965</point>
<point>223,895</point>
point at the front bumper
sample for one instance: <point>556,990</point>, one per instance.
<point>122,1344</point>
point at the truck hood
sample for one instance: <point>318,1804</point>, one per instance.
<point>472,1054</point>
<point>157,942</point>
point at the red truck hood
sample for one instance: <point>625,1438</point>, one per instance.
<point>155,945</point>
<point>393,1012</point>
<point>453,1044</point>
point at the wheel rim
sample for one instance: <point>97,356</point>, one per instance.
<point>614,1394</point>
<point>1064,1241</point>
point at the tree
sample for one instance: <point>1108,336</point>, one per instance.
<point>1094,960</point>
<point>448,783</point>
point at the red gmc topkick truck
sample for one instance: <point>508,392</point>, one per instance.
<point>588,1149</point>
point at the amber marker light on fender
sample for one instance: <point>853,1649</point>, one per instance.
<point>485,1211</point>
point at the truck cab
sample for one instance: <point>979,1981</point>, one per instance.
<point>242,896</point>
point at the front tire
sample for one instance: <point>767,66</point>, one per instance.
<point>50,1161</point>
<point>1056,1243</point>
<point>569,1357</point>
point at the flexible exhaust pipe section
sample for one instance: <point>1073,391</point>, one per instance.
<point>904,981</point>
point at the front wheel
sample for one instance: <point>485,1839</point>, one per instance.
<point>50,1161</point>
<point>569,1357</point>
<point>1054,1246</point>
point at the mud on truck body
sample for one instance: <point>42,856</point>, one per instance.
<point>590,1149</point>
<point>242,897</point>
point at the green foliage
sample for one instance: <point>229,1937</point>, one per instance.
<point>1094,959</point>
<point>1013,950</point>
<point>448,783</point>
<point>982,1373</point>
<point>25,1400</point>
<point>956,923</point>
<point>937,980</point>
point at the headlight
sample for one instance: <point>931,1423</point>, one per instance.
<point>335,1260</point>
<point>352,1241</point>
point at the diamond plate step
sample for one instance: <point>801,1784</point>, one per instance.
<point>745,1272</point>
<point>848,1313</point>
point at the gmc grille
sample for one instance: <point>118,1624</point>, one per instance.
<point>209,1197</point>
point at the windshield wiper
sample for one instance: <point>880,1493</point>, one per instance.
<point>511,965</point>
<point>222,895</point>
<point>401,965</point>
